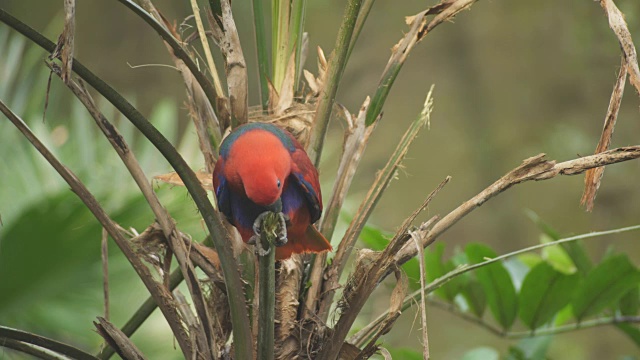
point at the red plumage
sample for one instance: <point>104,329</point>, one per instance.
<point>260,168</point>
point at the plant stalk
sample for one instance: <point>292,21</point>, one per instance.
<point>267,287</point>
<point>263,58</point>
<point>335,69</point>
<point>220,236</point>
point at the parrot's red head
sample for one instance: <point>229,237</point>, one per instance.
<point>264,167</point>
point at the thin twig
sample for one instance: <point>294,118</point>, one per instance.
<point>205,46</point>
<point>555,330</point>
<point>64,48</point>
<point>179,51</point>
<point>361,336</point>
<point>423,306</point>
<point>104,250</point>
<point>203,112</point>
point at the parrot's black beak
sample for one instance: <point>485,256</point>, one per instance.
<point>276,207</point>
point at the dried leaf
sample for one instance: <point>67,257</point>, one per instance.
<point>286,311</point>
<point>593,176</point>
<point>66,40</point>
<point>172,178</point>
<point>311,81</point>
<point>118,340</point>
<point>288,86</point>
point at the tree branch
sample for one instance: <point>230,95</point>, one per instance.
<point>43,342</point>
<point>534,168</point>
<point>26,348</point>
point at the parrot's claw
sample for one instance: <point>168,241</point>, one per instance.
<point>260,251</point>
<point>281,238</point>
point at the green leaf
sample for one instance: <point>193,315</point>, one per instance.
<point>530,259</point>
<point>474,297</point>
<point>631,331</point>
<point>544,292</point>
<point>575,249</point>
<point>604,285</point>
<point>557,257</point>
<point>534,348</point>
<point>482,353</point>
<point>497,285</point>
<point>405,353</point>
<point>436,268</point>
<point>630,302</point>
<point>374,238</point>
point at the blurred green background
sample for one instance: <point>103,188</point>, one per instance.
<point>513,79</point>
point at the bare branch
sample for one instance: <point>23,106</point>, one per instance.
<point>355,142</point>
<point>376,190</point>
<point>395,310</point>
<point>118,340</point>
<point>64,47</point>
<point>619,27</point>
<point>534,168</point>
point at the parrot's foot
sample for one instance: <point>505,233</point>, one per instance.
<point>281,235</point>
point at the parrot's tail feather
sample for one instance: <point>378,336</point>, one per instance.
<point>312,242</point>
<point>315,241</point>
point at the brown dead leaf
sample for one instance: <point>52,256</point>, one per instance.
<point>174,179</point>
<point>593,176</point>
<point>286,92</point>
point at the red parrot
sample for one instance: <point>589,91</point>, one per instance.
<point>263,168</point>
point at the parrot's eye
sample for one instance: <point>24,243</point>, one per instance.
<point>279,183</point>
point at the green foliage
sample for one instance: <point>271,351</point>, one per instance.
<point>544,292</point>
<point>482,353</point>
<point>436,267</point>
<point>496,283</point>
<point>50,263</point>
<point>605,285</point>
